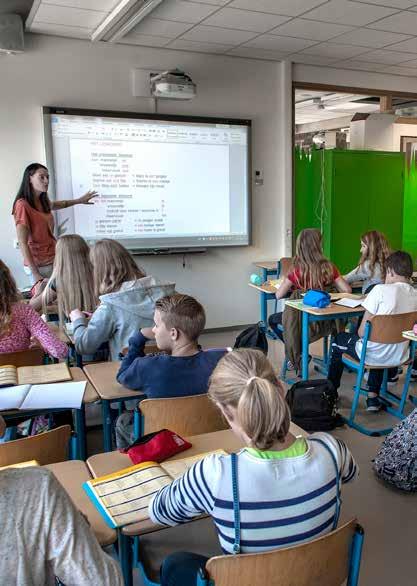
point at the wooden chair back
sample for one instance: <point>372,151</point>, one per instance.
<point>322,562</point>
<point>387,329</point>
<point>47,448</point>
<point>285,264</point>
<point>29,357</point>
<point>186,416</point>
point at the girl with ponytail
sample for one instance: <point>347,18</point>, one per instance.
<point>287,486</point>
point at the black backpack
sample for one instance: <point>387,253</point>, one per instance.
<point>253,337</point>
<point>313,405</point>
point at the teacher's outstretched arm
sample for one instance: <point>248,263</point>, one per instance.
<point>67,203</point>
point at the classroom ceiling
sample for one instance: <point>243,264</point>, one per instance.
<point>376,35</point>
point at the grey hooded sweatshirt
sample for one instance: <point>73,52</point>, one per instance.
<point>120,315</point>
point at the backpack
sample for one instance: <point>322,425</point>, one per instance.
<point>253,337</point>
<point>396,461</point>
<point>313,405</point>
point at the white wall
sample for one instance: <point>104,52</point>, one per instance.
<point>400,130</point>
<point>66,72</point>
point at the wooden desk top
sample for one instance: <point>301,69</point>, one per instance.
<point>109,462</point>
<point>71,475</point>
<point>269,265</point>
<point>102,376</point>
<point>265,287</point>
<point>410,335</point>
<point>331,310</point>
<point>90,394</point>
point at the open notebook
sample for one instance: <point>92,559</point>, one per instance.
<point>122,498</point>
<point>24,375</point>
<point>51,396</point>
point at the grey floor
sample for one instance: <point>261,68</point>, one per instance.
<point>389,517</point>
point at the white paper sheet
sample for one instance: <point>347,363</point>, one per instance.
<point>12,397</point>
<point>347,302</point>
<point>55,395</point>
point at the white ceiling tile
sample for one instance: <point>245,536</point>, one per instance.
<point>254,53</point>
<point>183,11</point>
<point>310,29</point>
<point>311,59</point>
<point>199,47</point>
<point>212,34</point>
<point>100,5</point>
<point>391,3</point>
<point>407,46</point>
<point>74,32</point>
<point>69,16</point>
<point>162,28</point>
<point>400,70</point>
<point>348,12</point>
<point>336,51</point>
<point>286,7</point>
<point>276,43</point>
<point>389,57</point>
<point>361,65</point>
<point>146,40</point>
<point>410,63</point>
<point>403,22</point>
<point>366,37</point>
<point>246,20</point>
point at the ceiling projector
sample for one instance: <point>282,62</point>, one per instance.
<point>173,85</point>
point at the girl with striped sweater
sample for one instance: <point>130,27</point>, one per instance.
<point>287,485</point>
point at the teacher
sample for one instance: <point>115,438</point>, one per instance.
<point>35,223</point>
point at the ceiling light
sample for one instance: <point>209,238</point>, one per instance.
<point>126,15</point>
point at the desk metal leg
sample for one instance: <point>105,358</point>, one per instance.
<point>107,425</point>
<point>304,345</point>
<point>125,556</point>
<point>80,431</point>
<point>137,424</point>
<point>264,275</point>
<point>264,308</point>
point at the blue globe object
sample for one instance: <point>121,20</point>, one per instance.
<point>255,279</point>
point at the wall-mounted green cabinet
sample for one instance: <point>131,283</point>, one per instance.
<point>346,193</point>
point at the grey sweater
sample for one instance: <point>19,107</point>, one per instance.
<point>363,273</point>
<point>120,315</point>
<point>43,535</point>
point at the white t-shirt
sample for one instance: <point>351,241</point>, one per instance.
<point>388,300</point>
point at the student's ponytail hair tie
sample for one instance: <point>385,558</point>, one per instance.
<point>250,379</point>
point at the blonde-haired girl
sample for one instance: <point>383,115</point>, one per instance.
<point>370,271</point>
<point>310,270</point>
<point>127,299</point>
<point>19,323</point>
<point>287,486</point>
<point>71,283</point>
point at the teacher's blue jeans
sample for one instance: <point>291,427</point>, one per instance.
<point>181,569</point>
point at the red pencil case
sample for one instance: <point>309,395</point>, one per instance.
<point>156,447</point>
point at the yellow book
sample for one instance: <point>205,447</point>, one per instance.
<point>21,465</point>
<point>30,375</point>
<point>122,498</point>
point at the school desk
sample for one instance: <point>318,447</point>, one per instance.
<point>314,314</point>
<point>268,267</point>
<point>102,464</point>
<point>90,396</point>
<point>412,337</point>
<point>266,293</point>
<point>71,475</point>
<point>102,375</point>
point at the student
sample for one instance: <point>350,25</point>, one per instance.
<point>35,223</point>
<point>311,270</point>
<point>127,300</point>
<point>71,283</point>
<point>43,535</point>
<point>19,322</point>
<point>295,476</point>
<point>179,321</point>
<point>393,297</point>
<point>371,268</point>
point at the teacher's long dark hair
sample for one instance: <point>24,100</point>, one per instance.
<point>26,192</point>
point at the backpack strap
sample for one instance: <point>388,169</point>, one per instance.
<point>236,508</point>
<point>338,496</point>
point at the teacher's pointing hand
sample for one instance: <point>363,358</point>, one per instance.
<point>85,199</point>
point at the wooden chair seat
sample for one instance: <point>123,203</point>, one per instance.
<point>372,367</point>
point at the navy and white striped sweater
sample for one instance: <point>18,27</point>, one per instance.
<point>283,502</point>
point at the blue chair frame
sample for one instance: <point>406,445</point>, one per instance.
<point>386,396</point>
<point>355,555</point>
